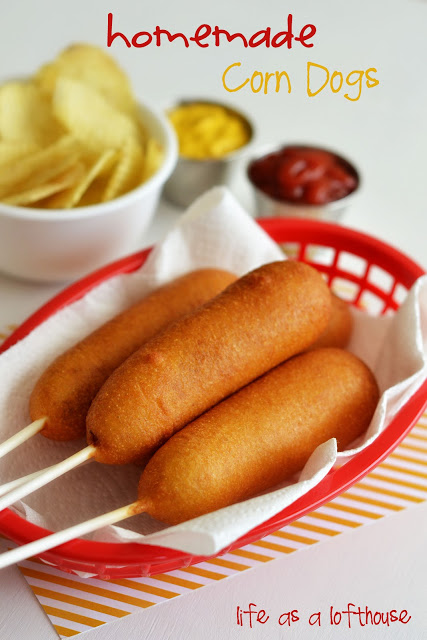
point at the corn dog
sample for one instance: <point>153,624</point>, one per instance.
<point>66,389</point>
<point>245,445</point>
<point>340,326</point>
<point>259,321</point>
<point>260,436</point>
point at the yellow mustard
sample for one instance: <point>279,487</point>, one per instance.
<point>207,130</point>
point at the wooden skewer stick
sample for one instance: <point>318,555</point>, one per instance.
<point>46,476</point>
<point>22,436</point>
<point>60,537</point>
<point>8,486</point>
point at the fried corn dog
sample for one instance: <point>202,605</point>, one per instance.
<point>340,326</point>
<point>66,389</point>
<point>245,445</point>
<point>260,436</point>
<point>262,319</point>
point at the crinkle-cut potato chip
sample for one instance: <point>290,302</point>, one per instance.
<point>90,118</point>
<point>71,197</point>
<point>94,193</point>
<point>26,115</point>
<point>91,66</point>
<point>153,158</point>
<point>39,167</point>
<point>128,172</point>
<point>73,135</point>
<point>35,194</point>
<point>12,150</point>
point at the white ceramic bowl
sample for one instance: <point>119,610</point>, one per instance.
<point>54,245</point>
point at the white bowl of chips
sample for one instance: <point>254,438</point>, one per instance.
<point>82,166</point>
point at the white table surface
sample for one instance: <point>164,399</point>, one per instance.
<point>383,565</point>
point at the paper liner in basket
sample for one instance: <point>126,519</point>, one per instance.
<point>214,232</point>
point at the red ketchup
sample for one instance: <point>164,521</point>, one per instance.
<point>304,175</point>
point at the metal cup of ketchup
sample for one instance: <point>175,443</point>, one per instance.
<point>302,181</point>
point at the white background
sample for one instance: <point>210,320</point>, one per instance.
<point>382,565</point>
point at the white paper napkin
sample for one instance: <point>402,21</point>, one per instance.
<point>215,231</point>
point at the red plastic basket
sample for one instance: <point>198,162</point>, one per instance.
<point>363,268</point>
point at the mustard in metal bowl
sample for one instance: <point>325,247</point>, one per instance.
<point>207,130</point>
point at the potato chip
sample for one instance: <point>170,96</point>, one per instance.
<point>12,150</point>
<point>128,172</point>
<point>94,193</point>
<point>153,158</point>
<point>39,167</point>
<point>40,192</point>
<point>93,67</point>
<point>71,197</point>
<point>26,115</point>
<point>90,118</point>
<point>73,135</point>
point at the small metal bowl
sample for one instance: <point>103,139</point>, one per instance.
<point>192,177</point>
<point>266,206</point>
